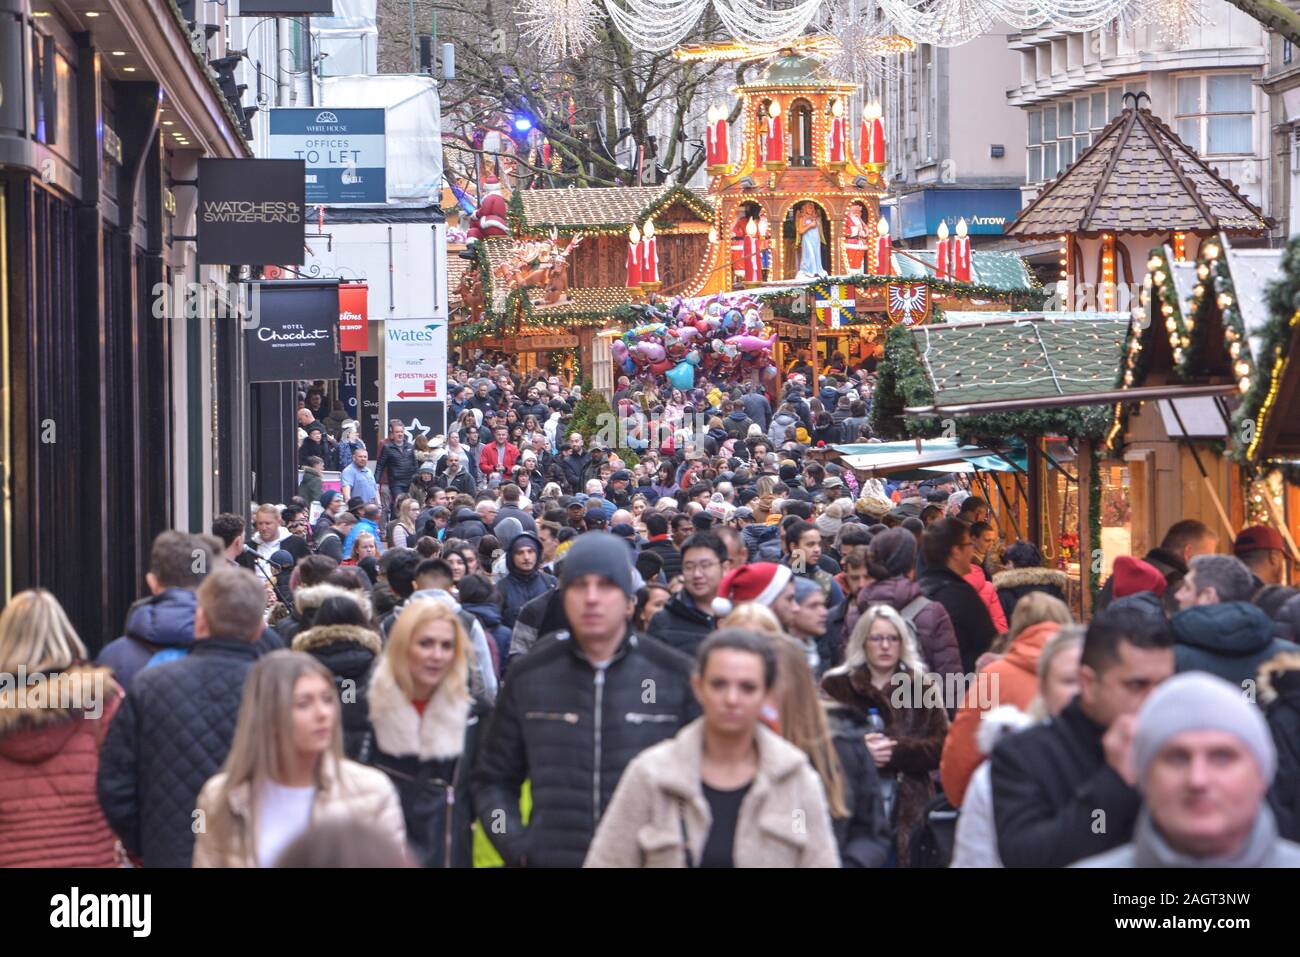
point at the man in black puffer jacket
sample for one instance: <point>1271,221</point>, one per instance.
<point>688,617</point>
<point>397,460</point>
<point>176,723</point>
<point>574,713</point>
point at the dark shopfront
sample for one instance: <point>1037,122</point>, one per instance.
<point>91,392</point>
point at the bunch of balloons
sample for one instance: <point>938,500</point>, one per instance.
<point>719,339</point>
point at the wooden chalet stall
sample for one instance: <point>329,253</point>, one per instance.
<point>1009,382</point>
<point>563,273</point>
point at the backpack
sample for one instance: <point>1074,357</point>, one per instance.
<point>934,835</point>
<point>914,608</point>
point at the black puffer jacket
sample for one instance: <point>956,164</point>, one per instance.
<point>864,836</point>
<point>399,463</point>
<point>349,652</point>
<point>540,616</point>
<point>466,524</point>
<point>572,729</point>
<point>171,734</point>
<point>518,588</point>
<point>681,625</point>
<point>1049,782</point>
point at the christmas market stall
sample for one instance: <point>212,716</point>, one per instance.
<point>1008,382</point>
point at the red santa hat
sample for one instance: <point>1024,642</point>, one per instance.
<point>1132,575</point>
<point>760,582</point>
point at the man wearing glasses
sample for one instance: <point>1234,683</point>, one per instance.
<point>688,618</point>
<point>948,551</point>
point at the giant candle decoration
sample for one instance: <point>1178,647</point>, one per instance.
<point>871,138</point>
<point>634,256</point>
<point>649,256</point>
<point>961,253</point>
<point>835,135</point>
<point>775,151</point>
<point>717,139</point>
<point>884,249</point>
<point>753,258</point>
<point>943,253</point>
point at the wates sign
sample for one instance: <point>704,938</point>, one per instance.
<point>251,212</point>
<point>353,315</point>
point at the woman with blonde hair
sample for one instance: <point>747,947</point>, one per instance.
<point>402,531</point>
<point>1011,679</point>
<point>976,841</point>
<point>754,617</point>
<point>884,683</point>
<point>349,441</point>
<point>286,770</point>
<point>363,546</point>
<point>424,728</point>
<point>841,760</point>
<point>54,712</point>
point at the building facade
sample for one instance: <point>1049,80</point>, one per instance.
<point>122,400</point>
<point>1071,85</point>
<point>954,147</point>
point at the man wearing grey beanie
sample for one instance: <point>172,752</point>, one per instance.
<point>575,710</point>
<point>1204,760</point>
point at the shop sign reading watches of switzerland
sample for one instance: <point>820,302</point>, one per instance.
<point>252,212</point>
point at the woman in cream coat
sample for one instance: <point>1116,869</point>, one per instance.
<point>726,791</point>
<point>286,770</point>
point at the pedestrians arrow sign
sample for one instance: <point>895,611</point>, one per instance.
<point>417,395</point>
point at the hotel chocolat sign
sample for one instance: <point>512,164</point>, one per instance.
<point>297,333</point>
<point>251,212</point>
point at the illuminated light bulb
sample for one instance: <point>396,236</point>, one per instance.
<point>1166,309</point>
<point>1224,300</point>
<point>1178,356</point>
<point>634,235</point>
<point>1169,324</point>
<point>1230,334</point>
<point>1243,385</point>
<point>882,227</point>
<point>1161,277</point>
<point>1063,262</point>
<point>1153,262</point>
<point>837,109</point>
<point>751,227</point>
<point>1203,271</point>
<point>649,230</point>
<point>1212,250</point>
<point>1234,349</point>
<point>713,235</point>
<point>1242,368</point>
<point>942,232</point>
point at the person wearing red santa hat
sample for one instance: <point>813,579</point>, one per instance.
<point>767,583</point>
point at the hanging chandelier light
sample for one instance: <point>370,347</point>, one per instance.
<point>1172,20</point>
<point>659,25</point>
<point>559,29</point>
<point>860,46</point>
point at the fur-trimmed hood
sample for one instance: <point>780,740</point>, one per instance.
<point>1278,677</point>
<point>322,636</point>
<point>81,689</point>
<point>307,600</point>
<point>1031,577</point>
<point>400,730</point>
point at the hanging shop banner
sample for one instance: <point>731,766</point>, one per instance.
<point>296,333</point>
<point>251,212</point>
<point>343,149</point>
<point>286,8</point>
<point>348,385</point>
<point>368,392</point>
<point>354,336</point>
<point>415,373</point>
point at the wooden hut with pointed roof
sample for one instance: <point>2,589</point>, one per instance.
<point>1137,186</point>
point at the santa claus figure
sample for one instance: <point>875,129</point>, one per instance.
<point>492,211</point>
<point>856,234</point>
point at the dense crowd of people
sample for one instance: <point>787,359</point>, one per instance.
<point>509,645</point>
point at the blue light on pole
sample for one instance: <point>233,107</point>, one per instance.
<point>523,124</point>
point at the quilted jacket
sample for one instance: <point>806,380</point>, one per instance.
<point>170,735</point>
<point>48,755</point>
<point>572,729</point>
